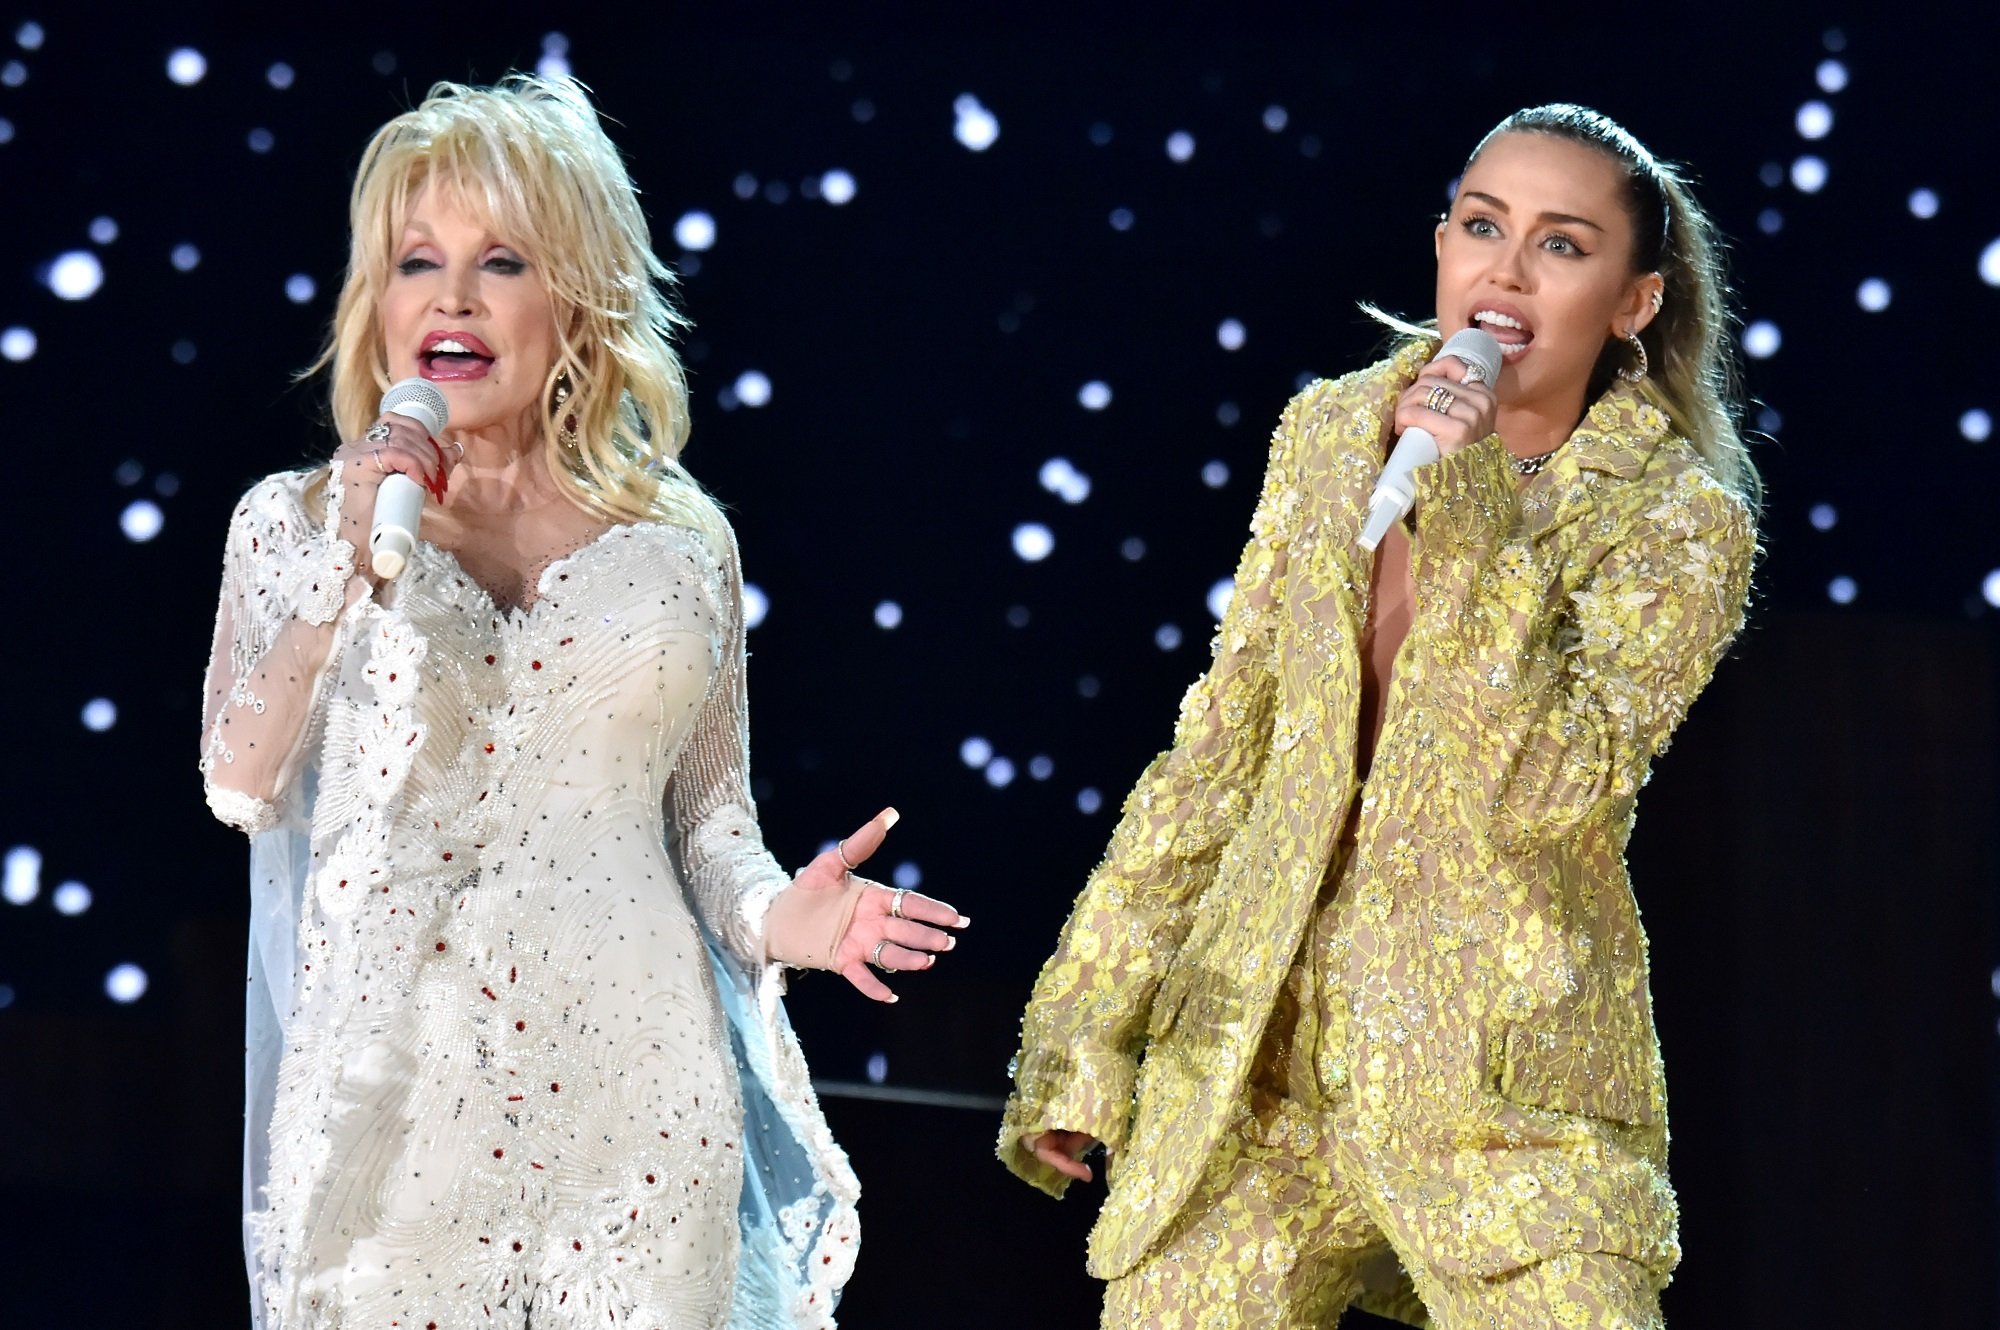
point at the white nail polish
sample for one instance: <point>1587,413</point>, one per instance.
<point>890,817</point>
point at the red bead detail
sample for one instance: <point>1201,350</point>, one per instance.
<point>520,1025</point>
<point>440,946</point>
<point>491,996</point>
<point>512,972</point>
<point>515,1098</point>
<point>392,676</point>
<point>652,1178</point>
<point>498,1153</point>
<point>517,1246</point>
<point>489,660</point>
<point>555,1087</point>
<point>565,642</point>
<point>534,664</point>
<point>447,856</point>
<point>576,1244</point>
<point>489,748</point>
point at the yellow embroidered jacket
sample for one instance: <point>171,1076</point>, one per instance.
<point>1489,1011</point>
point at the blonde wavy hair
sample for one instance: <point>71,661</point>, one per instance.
<point>1693,376</point>
<point>529,158</point>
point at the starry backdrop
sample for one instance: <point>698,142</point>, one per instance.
<point>992,319</point>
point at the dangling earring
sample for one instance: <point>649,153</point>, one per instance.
<point>566,430</point>
<point>1639,350</point>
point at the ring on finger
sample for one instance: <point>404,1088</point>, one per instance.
<point>1440,400</point>
<point>1473,373</point>
<point>378,432</point>
<point>896,902</point>
<point>840,848</point>
<point>875,958</point>
<point>376,457</point>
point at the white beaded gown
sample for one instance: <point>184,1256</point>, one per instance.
<point>515,1055</point>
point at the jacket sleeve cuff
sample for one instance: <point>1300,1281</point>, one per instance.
<point>1467,494</point>
<point>1079,1089</point>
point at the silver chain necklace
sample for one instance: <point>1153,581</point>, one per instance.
<point>1532,466</point>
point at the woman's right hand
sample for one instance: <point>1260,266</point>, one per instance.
<point>407,450</point>
<point>1062,1151</point>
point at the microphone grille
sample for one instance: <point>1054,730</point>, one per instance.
<point>1475,346</point>
<point>421,402</point>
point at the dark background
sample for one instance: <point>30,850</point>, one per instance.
<point>1816,857</point>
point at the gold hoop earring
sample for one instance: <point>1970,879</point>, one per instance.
<point>1639,350</point>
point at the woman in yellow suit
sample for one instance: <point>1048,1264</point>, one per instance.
<point>1357,1000</point>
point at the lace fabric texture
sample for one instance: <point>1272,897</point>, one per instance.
<point>1483,999</point>
<point>515,1050</point>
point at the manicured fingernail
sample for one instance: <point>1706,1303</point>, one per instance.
<point>894,998</point>
<point>890,817</point>
<point>964,921</point>
<point>950,943</point>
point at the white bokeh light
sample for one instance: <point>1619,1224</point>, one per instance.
<point>1276,118</point>
<point>1873,295</point>
<point>71,898</point>
<point>1180,145</point>
<point>837,187</point>
<point>141,520</point>
<point>1770,221</point>
<point>755,605</point>
<point>1230,335</point>
<point>975,752</point>
<point>1923,203</point>
<point>1814,120</point>
<point>554,61</point>
<point>1060,478</point>
<point>22,881</point>
<point>1809,174</point>
<point>1122,219</point>
<point>99,714</point>
<point>6,130</point>
<point>888,614</point>
<point>1167,637</point>
<point>17,344</point>
<point>1989,264</point>
<point>695,231</point>
<point>125,983</point>
<point>185,258</point>
<point>299,288</point>
<point>1842,590</point>
<point>907,876</point>
<point>1041,766</point>
<point>1132,549</point>
<point>1831,76</point>
<point>1215,474</point>
<point>1000,773</point>
<point>974,125</point>
<point>753,387</point>
<point>1976,425</point>
<point>30,36</point>
<point>103,230</point>
<point>1762,339</point>
<point>13,74</point>
<point>187,66</point>
<point>1094,396</point>
<point>262,140</point>
<point>1227,414</point>
<point>1218,598</point>
<point>280,76</point>
<point>1088,800</point>
<point>1990,588</point>
<point>1824,516</point>
<point>1033,542</point>
<point>878,1068</point>
<point>76,275</point>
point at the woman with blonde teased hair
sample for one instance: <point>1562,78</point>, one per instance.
<point>516,1053</point>
<point>1358,998</point>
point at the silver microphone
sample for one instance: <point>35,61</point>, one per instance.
<point>399,501</point>
<point>1396,490</point>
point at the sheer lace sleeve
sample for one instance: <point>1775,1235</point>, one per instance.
<point>730,874</point>
<point>1085,1024</point>
<point>286,576</point>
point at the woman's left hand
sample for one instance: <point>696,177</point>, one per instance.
<point>1465,411</point>
<point>892,929</point>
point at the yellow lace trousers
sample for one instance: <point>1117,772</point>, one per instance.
<point>1278,1235</point>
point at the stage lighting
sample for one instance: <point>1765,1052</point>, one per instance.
<point>1824,516</point>
<point>76,275</point>
<point>187,66</point>
<point>1094,396</point>
<point>1167,637</point>
<point>1180,145</point>
<point>1088,800</point>
<point>1033,542</point>
<point>975,752</point>
<point>755,605</point>
<point>1230,334</point>
<point>1842,590</point>
<point>141,520</point>
<point>1219,597</point>
<point>1761,340</point>
<point>1215,474</point>
<point>125,983</point>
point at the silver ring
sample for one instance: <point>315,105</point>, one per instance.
<point>896,902</point>
<point>1474,373</point>
<point>875,958</point>
<point>461,449</point>
<point>378,432</point>
<point>840,848</point>
<point>376,457</point>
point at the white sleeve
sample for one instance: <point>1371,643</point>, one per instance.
<point>287,576</point>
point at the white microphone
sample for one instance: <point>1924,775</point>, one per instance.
<point>1396,491</point>
<point>399,501</point>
